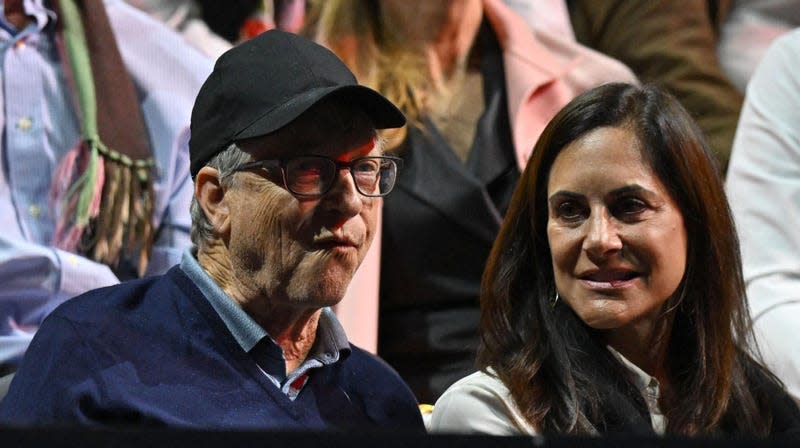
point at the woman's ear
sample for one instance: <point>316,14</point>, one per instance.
<point>210,196</point>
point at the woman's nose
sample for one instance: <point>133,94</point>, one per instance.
<point>602,235</point>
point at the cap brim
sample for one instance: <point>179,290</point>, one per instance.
<point>381,111</point>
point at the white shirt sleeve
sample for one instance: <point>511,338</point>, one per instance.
<point>763,182</point>
<point>763,187</point>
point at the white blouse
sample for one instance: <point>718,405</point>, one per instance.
<point>481,404</point>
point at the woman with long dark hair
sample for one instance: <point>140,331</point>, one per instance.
<point>613,300</point>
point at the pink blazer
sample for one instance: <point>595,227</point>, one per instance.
<point>543,73</point>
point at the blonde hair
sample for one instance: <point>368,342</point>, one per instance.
<point>378,55</point>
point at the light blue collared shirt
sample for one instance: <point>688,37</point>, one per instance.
<point>39,126</point>
<point>330,341</point>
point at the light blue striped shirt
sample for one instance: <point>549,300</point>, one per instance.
<point>39,125</point>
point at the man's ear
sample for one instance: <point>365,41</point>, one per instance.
<point>211,198</point>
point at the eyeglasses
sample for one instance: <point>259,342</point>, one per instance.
<point>313,176</point>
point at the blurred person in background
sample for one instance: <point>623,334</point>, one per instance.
<point>213,27</point>
<point>748,30</point>
<point>94,185</point>
<point>763,187</point>
<point>672,43</point>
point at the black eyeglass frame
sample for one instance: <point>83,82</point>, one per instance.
<point>338,166</point>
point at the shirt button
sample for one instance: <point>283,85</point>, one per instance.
<point>24,124</point>
<point>35,211</point>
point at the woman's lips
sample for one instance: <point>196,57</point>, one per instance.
<point>609,279</point>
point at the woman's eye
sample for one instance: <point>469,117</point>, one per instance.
<point>569,211</point>
<point>628,207</point>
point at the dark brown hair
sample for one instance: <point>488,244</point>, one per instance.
<point>559,375</point>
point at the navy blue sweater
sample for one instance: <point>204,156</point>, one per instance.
<point>154,351</point>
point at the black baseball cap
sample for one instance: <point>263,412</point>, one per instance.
<point>263,84</point>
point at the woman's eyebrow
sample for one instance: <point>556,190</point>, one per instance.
<point>627,189</point>
<point>564,194</point>
<point>633,188</point>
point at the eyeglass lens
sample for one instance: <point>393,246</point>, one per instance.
<point>310,176</point>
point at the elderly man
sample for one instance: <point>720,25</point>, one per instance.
<point>288,176</point>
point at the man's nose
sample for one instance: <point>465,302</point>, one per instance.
<point>602,235</point>
<point>343,196</point>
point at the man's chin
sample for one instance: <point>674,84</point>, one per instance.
<point>320,299</point>
<point>327,288</point>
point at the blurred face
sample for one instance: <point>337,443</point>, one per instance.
<point>421,20</point>
<point>295,250</point>
<point>617,239</point>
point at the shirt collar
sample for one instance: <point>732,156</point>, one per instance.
<point>244,329</point>
<point>641,379</point>
<point>648,386</point>
<point>331,339</point>
<point>330,345</point>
